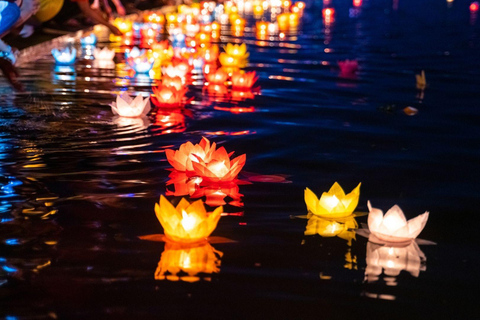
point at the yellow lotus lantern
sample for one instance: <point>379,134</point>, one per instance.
<point>334,203</point>
<point>392,260</point>
<point>229,63</point>
<point>185,263</point>
<point>124,25</point>
<point>343,228</point>
<point>258,10</point>
<point>187,222</point>
<point>237,51</point>
<point>394,227</point>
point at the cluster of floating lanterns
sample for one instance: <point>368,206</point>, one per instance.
<point>203,170</point>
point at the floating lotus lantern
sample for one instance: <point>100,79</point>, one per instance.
<point>141,64</point>
<point>220,168</point>
<point>210,55</point>
<point>392,260</point>
<point>393,227</point>
<point>243,81</point>
<point>187,222</point>
<point>182,159</point>
<point>172,19</point>
<point>421,80</point>
<point>283,21</point>
<point>219,76</point>
<point>357,3</point>
<point>334,203</point>
<point>203,38</point>
<point>135,52</point>
<point>104,54</point>
<point>328,15</point>
<point>238,52</point>
<point>154,18</point>
<point>258,10</point>
<point>175,82</point>
<point>65,56</point>
<point>474,6</point>
<point>343,228</point>
<point>185,262</point>
<point>293,20</point>
<point>89,40</point>
<point>167,97</point>
<point>172,72</point>
<point>229,63</point>
<point>124,25</point>
<point>125,106</point>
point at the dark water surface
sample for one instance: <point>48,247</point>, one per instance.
<point>78,186</point>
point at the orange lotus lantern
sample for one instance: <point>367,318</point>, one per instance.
<point>167,97</point>
<point>184,262</point>
<point>261,25</point>
<point>217,77</point>
<point>243,81</point>
<point>175,82</point>
<point>210,55</point>
<point>203,38</point>
<point>182,159</point>
<point>172,19</point>
<point>220,168</point>
<point>187,222</point>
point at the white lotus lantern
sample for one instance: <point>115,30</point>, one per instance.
<point>125,106</point>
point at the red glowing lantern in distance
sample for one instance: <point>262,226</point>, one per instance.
<point>357,3</point>
<point>328,12</point>
<point>474,6</point>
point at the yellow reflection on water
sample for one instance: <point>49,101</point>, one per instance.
<point>185,263</point>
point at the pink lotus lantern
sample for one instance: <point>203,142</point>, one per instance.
<point>243,81</point>
<point>167,97</point>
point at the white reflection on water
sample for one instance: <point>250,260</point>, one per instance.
<point>391,260</point>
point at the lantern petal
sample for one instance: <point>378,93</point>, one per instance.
<point>416,225</point>
<point>311,200</point>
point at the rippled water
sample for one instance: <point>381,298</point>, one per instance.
<point>78,185</point>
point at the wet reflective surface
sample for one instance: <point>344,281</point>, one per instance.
<point>78,185</point>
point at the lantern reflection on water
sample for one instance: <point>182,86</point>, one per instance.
<point>392,260</point>
<point>187,222</point>
<point>334,203</point>
<point>186,262</point>
<point>343,227</point>
<point>243,81</point>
